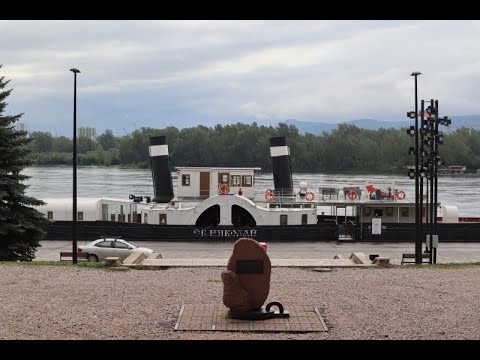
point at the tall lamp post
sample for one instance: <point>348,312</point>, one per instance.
<point>427,156</point>
<point>418,213</point>
<point>74,210</point>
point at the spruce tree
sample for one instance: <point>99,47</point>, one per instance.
<point>21,226</point>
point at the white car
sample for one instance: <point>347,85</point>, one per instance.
<point>102,248</point>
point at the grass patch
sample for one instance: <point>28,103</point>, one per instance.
<point>95,265</point>
<point>415,266</point>
<point>454,265</point>
<point>84,264</point>
<point>433,266</point>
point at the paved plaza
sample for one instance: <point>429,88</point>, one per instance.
<point>447,252</point>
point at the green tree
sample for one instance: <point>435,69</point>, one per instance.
<point>84,145</point>
<point>107,140</point>
<point>62,144</point>
<point>42,141</point>
<point>345,149</point>
<point>20,224</point>
<point>133,148</point>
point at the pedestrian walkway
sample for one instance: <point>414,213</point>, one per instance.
<point>447,252</point>
<point>355,260</point>
<point>160,263</point>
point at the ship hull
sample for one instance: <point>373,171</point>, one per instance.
<point>395,232</point>
<point>447,232</point>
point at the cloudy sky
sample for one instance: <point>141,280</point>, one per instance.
<point>190,72</point>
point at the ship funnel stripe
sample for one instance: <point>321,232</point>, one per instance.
<point>161,175</point>
<point>158,150</point>
<point>278,141</point>
<point>279,151</point>
<point>158,140</point>
<point>282,174</point>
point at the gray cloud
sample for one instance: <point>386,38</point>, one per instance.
<point>183,73</point>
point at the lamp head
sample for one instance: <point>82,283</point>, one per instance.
<point>415,73</point>
<point>75,70</point>
<point>411,131</point>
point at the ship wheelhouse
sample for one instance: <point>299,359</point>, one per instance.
<point>204,182</point>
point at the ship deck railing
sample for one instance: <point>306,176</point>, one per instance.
<point>328,191</point>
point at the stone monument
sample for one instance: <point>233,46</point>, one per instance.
<point>246,282</point>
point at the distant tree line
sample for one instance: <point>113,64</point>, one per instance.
<point>346,149</point>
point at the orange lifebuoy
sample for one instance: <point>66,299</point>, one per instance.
<point>352,194</point>
<point>223,189</point>
<point>401,195</point>
<point>309,196</point>
<point>269,195</point>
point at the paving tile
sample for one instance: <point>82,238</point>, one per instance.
<point>216,318</point>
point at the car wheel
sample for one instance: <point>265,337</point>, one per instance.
<point>92,258</point>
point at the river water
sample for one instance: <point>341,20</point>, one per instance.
<point>56,182</point>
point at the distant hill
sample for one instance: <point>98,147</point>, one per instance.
<point>472,121</point>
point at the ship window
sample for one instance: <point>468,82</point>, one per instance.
<point>223,178</point>
<point>304,219</point>
<point>378,212</point>
<point>235,180</point>
<point>367,211</point>
<point>80,215</point>
<point>186,180</point>
<point>389,211</point>
<point>112,217</point>
<point>283,219</point>
<point>50,215</point>
<point>404,211</point>
<point>247,180</point>
<point>163,219</point>
<point>145,218</point>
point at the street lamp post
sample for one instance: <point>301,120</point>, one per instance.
<point>436,163</point>
<point>418,214</point>
<point>74,209</point>
<point>427,156</point>
<point>424,169</point>
<point>432,166</point>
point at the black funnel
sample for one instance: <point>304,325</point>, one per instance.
<point>161,175</point>
<point>282,174</point>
